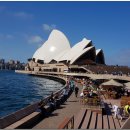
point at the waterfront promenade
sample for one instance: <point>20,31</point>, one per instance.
<point>91,76</point>
<point>68,109</point>
<point>72,107</point>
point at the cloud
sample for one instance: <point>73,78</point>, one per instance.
<point>6,36</point>
<point>35,39</point>
<point>22,15</point>
<point>48,28</point>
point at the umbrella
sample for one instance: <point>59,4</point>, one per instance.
<point>112,83</point>
<point>127,85</point>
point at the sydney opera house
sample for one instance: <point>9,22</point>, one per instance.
<point>57,50</point>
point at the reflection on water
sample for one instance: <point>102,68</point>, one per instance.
<point>19,90</point>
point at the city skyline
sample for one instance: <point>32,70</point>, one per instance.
<point>26,25</point>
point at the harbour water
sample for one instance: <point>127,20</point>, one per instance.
<point>20,90</point>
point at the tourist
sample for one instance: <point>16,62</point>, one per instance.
<point>120,113</point>
<point>41,107</point>
<point>68,83</point>
<point>76,91</point>
<point>127,109</point>
<point>115,110</point>
<point>65,93</point>
<point>87,94</point>
<point>56,100</point>
<point>91,93</point>
<point>72,84</point>
<point>128,92</point>
<point>81,94</point>
<point>51,102</point>
<point>51,99</point>
<point>84,85</point>
<point>81,97</point>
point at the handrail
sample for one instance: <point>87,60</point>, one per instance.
<point>45,100</point>
<point>68,123</point>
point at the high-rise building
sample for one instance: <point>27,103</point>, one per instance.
<point>2,61</point>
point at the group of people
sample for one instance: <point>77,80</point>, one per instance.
<point>118,92</point>
<point>88,89</point>
<point>73,86</point>
<point>120,112</point>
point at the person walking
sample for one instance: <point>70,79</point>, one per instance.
<point>115,110</point>
<point>76,91</point>
<point>120,113</point>
<point>72,85</point>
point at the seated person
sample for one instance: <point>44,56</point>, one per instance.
<point>65,93</point>
<point>87,95</point>
<point>127,109</point>
<point>41,107</point>
<point>85,91</point>
<point>56,96</point>
<point>91,93</point>
<point>81,95</point>
<point>51,102</point>
<point>51,99</point>
<point>56,100</point>
<point>94,94</point>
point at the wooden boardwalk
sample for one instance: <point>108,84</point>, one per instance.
<point>88,119</point>
<point>83,118</point>
<point>68,109</point>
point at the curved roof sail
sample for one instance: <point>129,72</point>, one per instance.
<point>78,55</point>
<point>100,56</point>
<point>56,43</point>
<point>76,49</point>
<point>57,48</point>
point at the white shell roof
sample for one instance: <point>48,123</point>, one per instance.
<point>57,47</point>
<point>75,50</point>
<point>97,51</point>
<point>58,57</point>
<point>80,54</point>
<point>56,43</point>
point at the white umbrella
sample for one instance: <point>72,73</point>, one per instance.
<point>111,83</point>
<point>127,85</point>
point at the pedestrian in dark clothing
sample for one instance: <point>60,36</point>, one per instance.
<point>41,105</point>
<point>76,91</point>
<point>51,102</point>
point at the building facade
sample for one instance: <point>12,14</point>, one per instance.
<point>57,50</point>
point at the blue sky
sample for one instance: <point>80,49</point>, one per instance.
<point>24,26</point>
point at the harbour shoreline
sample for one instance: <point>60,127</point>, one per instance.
<point>30,108</point>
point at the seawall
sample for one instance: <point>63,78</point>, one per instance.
<point>55,78</point>
<point>23,72</point>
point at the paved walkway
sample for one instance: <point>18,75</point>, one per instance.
<point>68,109</point>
